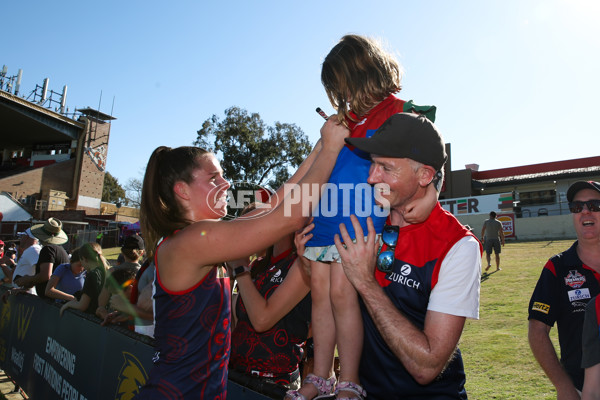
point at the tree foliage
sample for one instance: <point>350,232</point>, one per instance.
<point>252,151</point>
<point>112,192</point>
<point>133,189</point>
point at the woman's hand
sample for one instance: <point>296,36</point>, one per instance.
<point>300,239</point>
<point>333,134</point>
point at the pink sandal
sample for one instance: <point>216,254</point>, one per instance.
<point>350,387</point>
<point>324,387</point>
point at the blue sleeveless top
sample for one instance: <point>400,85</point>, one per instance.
<point>348,192</point>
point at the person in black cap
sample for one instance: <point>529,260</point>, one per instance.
<point>567,283</point>
<point>422,281</point>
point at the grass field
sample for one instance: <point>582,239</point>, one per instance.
<point>498,361</point>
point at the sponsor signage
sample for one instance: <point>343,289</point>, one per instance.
<point>74,358</point>
<point>501,202</point>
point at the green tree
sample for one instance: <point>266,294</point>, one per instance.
<point>252,151</point>
<point>112,192</point>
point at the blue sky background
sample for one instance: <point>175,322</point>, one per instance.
<point>515,81</point>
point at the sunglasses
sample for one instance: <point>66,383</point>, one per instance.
<point>389,236</point>
<point>577,206</point>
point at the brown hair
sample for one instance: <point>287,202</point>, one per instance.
<point>90,257</point>
<point>358,72</point>
<point>160,212</point>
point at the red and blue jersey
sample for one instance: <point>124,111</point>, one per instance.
<point>192,332</point>
<point>278,351</point>
<point>419,254</point>
<point>347,192</point>
<point>564,288</point>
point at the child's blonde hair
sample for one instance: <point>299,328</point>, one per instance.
<point>357,74</point>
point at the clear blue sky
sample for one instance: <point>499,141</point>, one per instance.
<point>516,82</point>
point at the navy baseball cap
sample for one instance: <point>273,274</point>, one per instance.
<point>580,185</point>
<point>406,135</point>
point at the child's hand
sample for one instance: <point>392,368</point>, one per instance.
<point>333,134</point>
<point>418,210</point>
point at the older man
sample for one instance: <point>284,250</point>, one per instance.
<point>567,283</point>
<point>427,279</point>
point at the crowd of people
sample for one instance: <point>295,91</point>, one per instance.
<point>83,280</point>
<point>390,290</point>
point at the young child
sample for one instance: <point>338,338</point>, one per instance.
<point>360,79</point>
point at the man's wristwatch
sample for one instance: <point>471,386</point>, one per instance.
<point>239,270</point>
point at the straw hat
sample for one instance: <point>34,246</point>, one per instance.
<point>50,232</point>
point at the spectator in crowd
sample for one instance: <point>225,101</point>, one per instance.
<point>567,283</point>
<point>139,303</point>
<point>184,196</point>
<point>141,298</point>
<point>8,262</point>
<point>132,251</point>
<point>119,284</point>
<point>52,254</point>
<point>67,280</point>
<point>492,236</point>
<point>273,314</point>
<point>360,78</point>
<point>428,277</point>
<point>30,247</point>
<point>591,351</point>
<point>96,266</point>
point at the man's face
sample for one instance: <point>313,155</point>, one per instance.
<point>587,223</point>
<point>396,173</point>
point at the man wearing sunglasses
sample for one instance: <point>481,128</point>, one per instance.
<point>567,283</point>
<point>418,282</point>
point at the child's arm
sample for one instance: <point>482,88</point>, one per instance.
<point>53,292</point>
<point>417,211</point>
<point>80,305</point>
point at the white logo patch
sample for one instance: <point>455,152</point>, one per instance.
<point>579,294</point>
<point>405,270</point>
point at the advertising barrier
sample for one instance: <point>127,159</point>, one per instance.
<point>73,357</point>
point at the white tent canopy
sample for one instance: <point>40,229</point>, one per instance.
<point>11,210</point>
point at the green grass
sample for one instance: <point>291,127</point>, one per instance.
<point>498,361</point>
<point>111,254</point>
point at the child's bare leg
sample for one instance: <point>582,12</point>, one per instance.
<point>323,326</point>
<point>348,326</point>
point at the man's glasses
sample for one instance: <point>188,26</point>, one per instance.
<point>389,236</point>
<point>577,206</point>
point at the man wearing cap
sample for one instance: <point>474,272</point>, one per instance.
<point>52,254</point>
<point>413,314</point>
<point>30,247</point>
<point>567,283</point>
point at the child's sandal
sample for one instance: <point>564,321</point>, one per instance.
<point>350,387</point>
<point>324,387</point>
